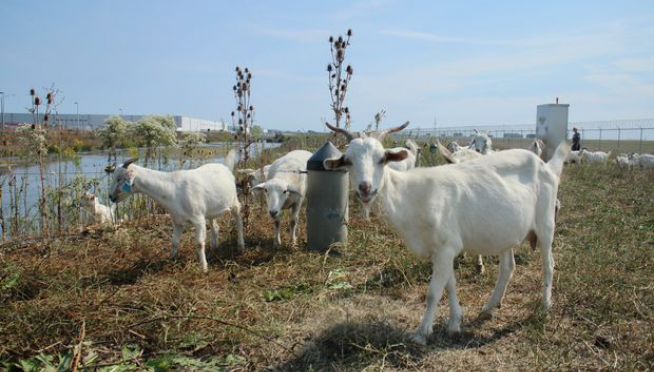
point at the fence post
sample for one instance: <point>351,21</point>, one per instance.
<point>640,144</point>
<point>600,139</point>
<point>618,139</point>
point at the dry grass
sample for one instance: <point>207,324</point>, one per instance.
<point>288,309</point>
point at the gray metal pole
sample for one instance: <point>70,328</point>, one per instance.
<point>640,144</point>
<point>77,119</point>
<point>600,139</point>
<point>618,139</point>
<point>3,110</point>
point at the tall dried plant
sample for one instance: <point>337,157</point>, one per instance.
<point>339,78</point>
<point>36,136</point>
<point>242,119</point>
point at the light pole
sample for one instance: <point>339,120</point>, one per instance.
<point>77,105</point>
<point>2,102</point>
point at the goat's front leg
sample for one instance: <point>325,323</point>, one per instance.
<point>443,269</point>
<point>507,265</point>
<point>277,239</point>
<point>215,229</point>
<point>295,216</point>
<point>178,229</point>
<point>201,237</point>
<point>454,323</point>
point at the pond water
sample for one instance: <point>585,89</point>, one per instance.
<point>90,168</point>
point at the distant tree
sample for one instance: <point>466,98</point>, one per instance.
<point>113,134</point>
<point>257,132</point>
<point>155,131</point>
<point>192,140</point>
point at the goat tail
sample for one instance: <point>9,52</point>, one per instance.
<point>412,146</point>
<point>231,159</point>
<point>556,162</point>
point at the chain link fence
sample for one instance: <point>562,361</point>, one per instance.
<point>618,136</point>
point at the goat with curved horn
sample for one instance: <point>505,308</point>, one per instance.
<point>388,131</point>
<point>349,135</point>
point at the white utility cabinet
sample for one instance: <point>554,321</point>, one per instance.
<point>551,126</point>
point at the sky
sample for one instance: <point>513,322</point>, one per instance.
<point>444,63</point>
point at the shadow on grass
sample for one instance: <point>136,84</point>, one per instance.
<point>130,275</point>
<point>353,346</point>
<point>258,251</point>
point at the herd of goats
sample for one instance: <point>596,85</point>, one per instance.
<point>485,202</point>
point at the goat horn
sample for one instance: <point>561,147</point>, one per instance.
<point>349,135</point>
<point>128,162</point>
<point>385,132</point>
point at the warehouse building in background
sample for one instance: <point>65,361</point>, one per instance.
<point>94,121</point>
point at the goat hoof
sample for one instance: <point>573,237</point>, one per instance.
<point>485,315</point>
<point>418,338</point>
<point>454,333</point>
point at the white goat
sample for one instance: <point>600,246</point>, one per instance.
<point>254,176</point>
<point>573,157</point>
<point>597,157</point>
<point>410,161</point>
<point>645,160</point>
<point>286,188</point>
<point>481,142</point>
<point>626,161</point>
<point>453,146</point>
<point>486,206</point>
<point>537,147</point>
<point>99,213</point>
<point>190,196</point>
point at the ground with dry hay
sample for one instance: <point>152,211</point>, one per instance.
<point>112,301</point>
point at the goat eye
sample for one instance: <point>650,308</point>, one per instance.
<point>285,191</point>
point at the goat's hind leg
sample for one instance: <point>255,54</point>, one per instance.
<point>236,213</point>
<point>178,229</point>
<point>215,230</point>
<point>507,265</point>
<point>480,265</point>
<point>547,262</point>
<point>201,237</point>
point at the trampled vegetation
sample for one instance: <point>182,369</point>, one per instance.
<point>115,296</point>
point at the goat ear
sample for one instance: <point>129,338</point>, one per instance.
<point>399,155</point>
<point>128,162</point>
<point>334,164</point>
<point>258,188</point>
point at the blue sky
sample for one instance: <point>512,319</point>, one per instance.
<point>463,63</point>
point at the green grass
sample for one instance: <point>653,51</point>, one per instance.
<point>116,295</point>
